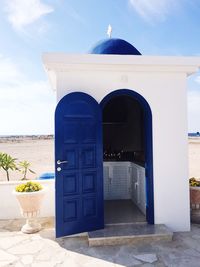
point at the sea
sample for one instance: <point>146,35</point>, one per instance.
<point>197,134</point>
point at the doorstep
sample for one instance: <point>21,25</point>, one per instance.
<point>129,234</point>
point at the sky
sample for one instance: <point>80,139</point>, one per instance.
<point>28,28</point>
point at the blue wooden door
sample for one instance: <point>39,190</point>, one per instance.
<point>78,165</point>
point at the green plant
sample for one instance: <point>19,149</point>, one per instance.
<point>194,182</point>
<point>24,167</point>
<point>28,187</point>
<point>7,163</point>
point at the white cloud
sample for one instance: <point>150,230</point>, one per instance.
<point>194,110</point>
<point>153,9</point>
<point>25,12</point>
<point>26,106</point>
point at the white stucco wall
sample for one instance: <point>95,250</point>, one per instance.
<point>9,207</point>
<point>162,82</point>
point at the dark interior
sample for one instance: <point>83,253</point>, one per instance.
<point>123,130</point>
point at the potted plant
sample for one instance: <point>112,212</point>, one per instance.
<point>30,196</point>
<point>195,199</point>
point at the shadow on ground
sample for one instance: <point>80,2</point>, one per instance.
<point>43,249</point>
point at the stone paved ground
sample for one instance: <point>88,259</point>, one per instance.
<point>42,249</point>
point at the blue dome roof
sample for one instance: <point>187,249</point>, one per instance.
<point>114,46</point>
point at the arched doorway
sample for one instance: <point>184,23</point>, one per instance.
<point>127,142</point>
<point>79,157</point>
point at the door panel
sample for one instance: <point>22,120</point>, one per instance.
<point>88,157</point>
<point>79,183</point>
<point>70,184</point>
<point>89,182</point>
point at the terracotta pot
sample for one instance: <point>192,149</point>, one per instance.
<point>30,204</point>
<point>195,204</point>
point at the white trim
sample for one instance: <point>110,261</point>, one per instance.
<point>63,62</point>
<point>55,63</point>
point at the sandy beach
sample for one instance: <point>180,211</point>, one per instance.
<point>40,153</point>
<point>194,156</point>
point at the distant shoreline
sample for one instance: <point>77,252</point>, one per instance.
<point>18,138</point>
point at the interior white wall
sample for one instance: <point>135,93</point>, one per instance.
<point>164,87</point>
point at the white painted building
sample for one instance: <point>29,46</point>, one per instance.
<point>143,103</point>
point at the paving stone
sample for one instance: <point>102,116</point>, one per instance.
<point>60,256</point>
<point>6,258</point>
<point>27,259</point>
<point>49,233</point>
<point>83,259</point>
<point>93,262</point>
<point>179,258</point>
<point>31,247</point>
<point>184,262</point>
<point>105,253</point>
<point>192,252</point>
<point>19,264</point>
<point>69,262</point>
<point>75,243</point>
<point>157,264</point>
<point>195,236</point>
<point>45,254</point>
<point>44,264</point>
<point>90,258</point>
<point>191,242</point>
<point>51,243</point>
<point>150,258</point>
<point>127,261</point>
<point>49,253</point>
<point>125,257</point>
<point>147,265</point>
<point>9,241</point>
<point>43,249</point>
<point>35,237</point>
<point>6,264</point>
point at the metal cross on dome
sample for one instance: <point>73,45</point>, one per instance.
<point>109,31</point>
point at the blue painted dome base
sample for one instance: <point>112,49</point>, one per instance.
<point>114,46</point>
